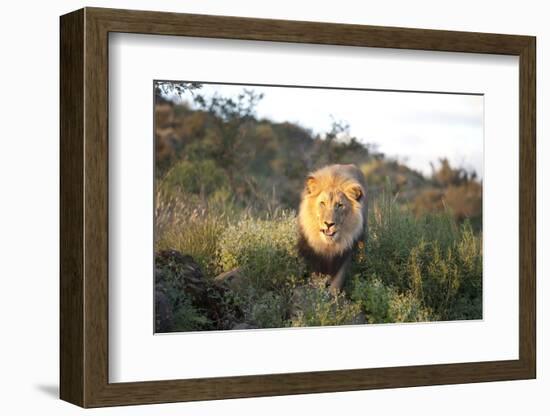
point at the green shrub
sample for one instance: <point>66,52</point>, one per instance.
<point>373,297</point>
<point>383,304</point>
<point>394,232</point>
<point>445,279</point>
<point>188,318</point>
<point>423,268</point>
<point>315,305</point>
<point>197,236</point>
<point>194,177</point>
<point>269,311</point>
<point>265,251</point>
<point>407,308</point>
<point>179,289</point>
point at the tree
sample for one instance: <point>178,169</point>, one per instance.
<point>174,90</point>
<point>231,117</point>
<point>339,146</point>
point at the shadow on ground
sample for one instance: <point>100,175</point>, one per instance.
<point>51,390</point>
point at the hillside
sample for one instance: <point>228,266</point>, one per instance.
<point>222,147</point>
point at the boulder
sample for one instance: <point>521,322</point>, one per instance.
<point>179,284</point>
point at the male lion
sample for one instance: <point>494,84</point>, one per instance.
<point>332,219</point>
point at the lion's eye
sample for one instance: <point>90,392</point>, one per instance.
<point>339,205</point>
<point>322,203</point>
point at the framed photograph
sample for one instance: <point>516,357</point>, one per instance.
<point>255,207</point>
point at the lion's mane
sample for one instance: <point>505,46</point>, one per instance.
<point>349,181</point>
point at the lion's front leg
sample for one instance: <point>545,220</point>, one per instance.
<point>339,279</point>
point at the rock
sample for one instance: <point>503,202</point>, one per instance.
<point>182,272</point>
<point>230,278</point>
<point>180,281</point>
<point>163,310</point>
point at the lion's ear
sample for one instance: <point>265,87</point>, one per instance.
<point>354,192</point>
<point>311,185</point>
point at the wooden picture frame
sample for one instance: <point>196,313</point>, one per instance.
<point>84,207</point>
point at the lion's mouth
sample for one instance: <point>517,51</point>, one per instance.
<point>329,233</point>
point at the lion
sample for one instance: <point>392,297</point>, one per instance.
<point>332,219</point>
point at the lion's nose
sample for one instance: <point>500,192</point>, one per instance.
<point>329,224</point>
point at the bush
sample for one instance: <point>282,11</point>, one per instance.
<point>425,268</point>
<point>186,300</point>
<point>373,297</point>
<point>193,225</point>
<point>393,233</point>
<point>407,308</point>
<point>317,306</point>
<point>198,177</point>
<point>383,304</point>
<point>265,251</point>
<point>196,236</point>
<point>443,279</point>
<point>269,311</point>
<point>188,318</point>
<point>463,201</point>
<point>179,289</point>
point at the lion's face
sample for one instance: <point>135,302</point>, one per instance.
<point>332,210</point>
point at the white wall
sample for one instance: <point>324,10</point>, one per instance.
<point>29,209</point>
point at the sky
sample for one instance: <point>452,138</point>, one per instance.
<point>415,128</point>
